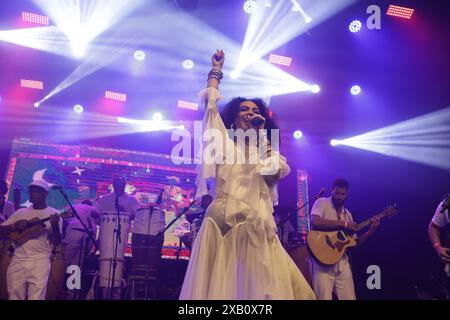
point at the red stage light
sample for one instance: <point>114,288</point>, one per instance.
<point>115,96</point>
<point>33,84</point>
<point>401,12</point>
<point>187,105</point>
<point>35,18</point>
<point>281,60</point>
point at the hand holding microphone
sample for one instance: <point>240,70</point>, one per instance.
<point>256,120</point>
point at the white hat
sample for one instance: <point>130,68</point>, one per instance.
<point>40,183</point>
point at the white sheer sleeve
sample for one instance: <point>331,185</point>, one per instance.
<point>213,129</point>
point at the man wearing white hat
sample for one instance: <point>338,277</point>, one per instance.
<point>28,272</point>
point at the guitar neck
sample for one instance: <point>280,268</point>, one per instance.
<point>367,222</point>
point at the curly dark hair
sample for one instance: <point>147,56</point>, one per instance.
<point>231,110</point>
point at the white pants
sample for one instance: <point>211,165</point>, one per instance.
<point>27,279</point>
<point>337,278</point>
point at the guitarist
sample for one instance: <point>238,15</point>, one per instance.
<point>438,229</point>
<point>329,214</point>
<point>28,272</point>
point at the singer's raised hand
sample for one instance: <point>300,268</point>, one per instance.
<point>218,59</point>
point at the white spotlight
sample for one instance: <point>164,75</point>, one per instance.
<point>234,74</point>
<point>139,55</point>
<point>78,108</point>
<point>157,117</point>
<point>308,19</point>
<point>249,6</point>
<point>355,90</point>
<point>188,64</point>
<point>78,48</point>
<point>355,26</point>
<point>334,142</point>
<point>298,134</point>
<point>36,104</point>
<point>315,88</point>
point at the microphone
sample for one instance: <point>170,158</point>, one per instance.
<point>321,192</point>
<point>257,121</point>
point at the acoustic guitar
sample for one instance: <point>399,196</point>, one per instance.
<point>329,247</point>
<point>34,228</point>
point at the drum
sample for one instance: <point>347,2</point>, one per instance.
<point>107,243</point>
<point>146,251</point>
<point>149,221</point>
<point>55,284</point>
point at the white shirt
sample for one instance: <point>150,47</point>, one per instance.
<point>35,248</point>
<point>84,212</point>
<point>440,219</point>
<point>107,203</point>
<point>323,207</point>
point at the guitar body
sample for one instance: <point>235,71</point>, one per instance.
<point>20,237</point>
<point>329,247</point>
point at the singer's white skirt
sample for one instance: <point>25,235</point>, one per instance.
<point>233,267</point>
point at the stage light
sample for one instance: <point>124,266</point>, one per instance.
<point>32,84</point>
<point>297,8</point>
<point>78,108</point>
<point>115,96</point>
<point>78,48</point>
<point>147,125</point>
<point>139,55</point>
<point>355,26</point>
<point>234,74</point>
<point>187,105</point>
<point>188,64</point>
<point>36,104</point>
<point>400,12</point>
<point>334,142</point>
<point>250,6</point>
<point>35,18</point>
<point>315,88</point>
<point>355,90</point>
<point>424,139</point>
<point>298,134</point>
<point>281,60</point>
<point>273,27</point>
<point>157,117</point>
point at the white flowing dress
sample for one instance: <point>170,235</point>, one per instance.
<point>237,254</point>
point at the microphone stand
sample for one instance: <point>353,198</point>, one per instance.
<point>117,240</point>
<point>160,233</point>
<point>87,230</point>
<point>285,219</point>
